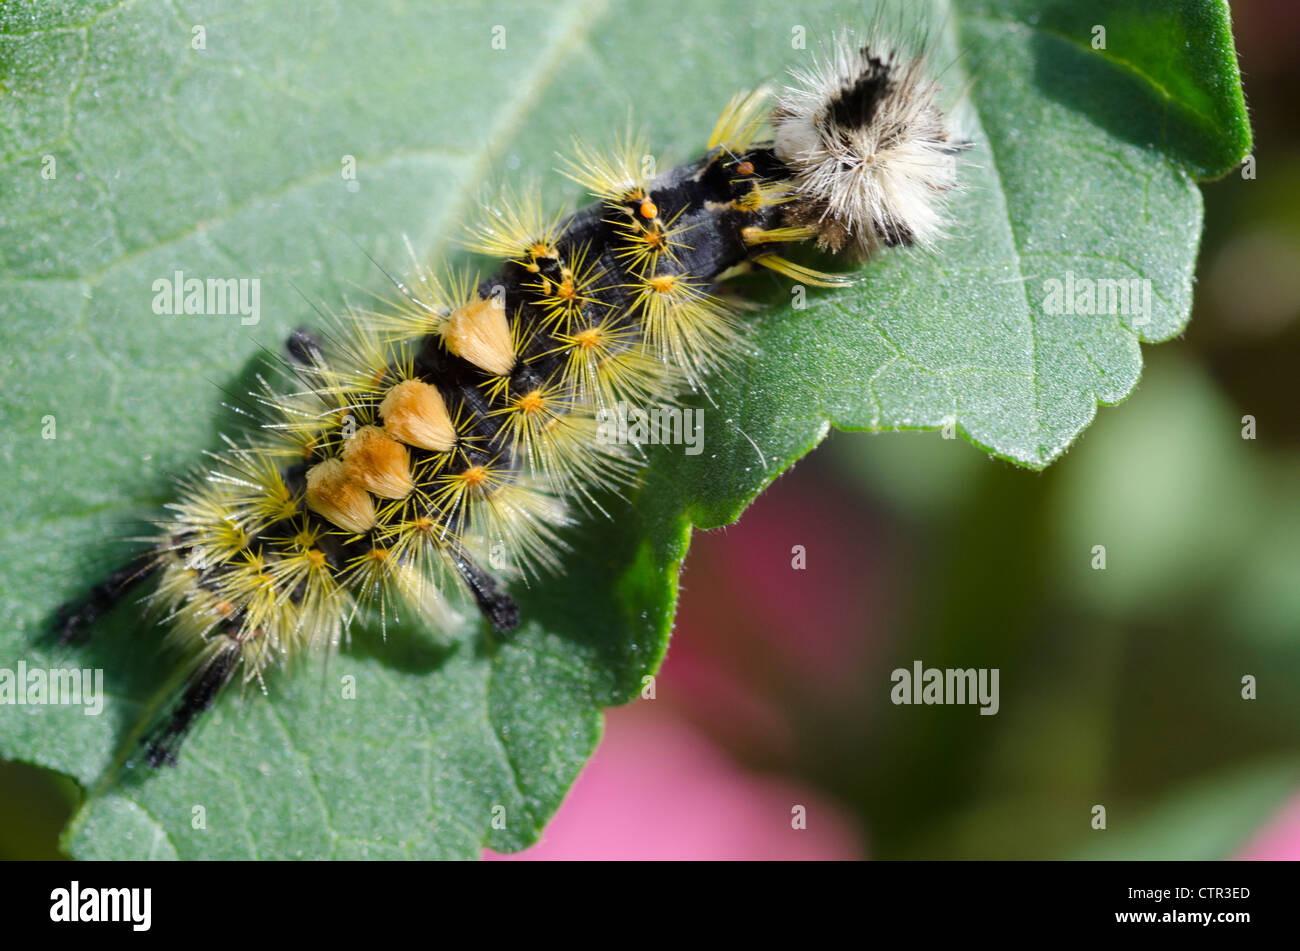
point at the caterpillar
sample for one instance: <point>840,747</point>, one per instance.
<point>444,439</point>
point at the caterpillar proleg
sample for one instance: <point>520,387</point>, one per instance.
<point>445,439</point>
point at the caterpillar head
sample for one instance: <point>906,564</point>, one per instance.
<point>871,156</point>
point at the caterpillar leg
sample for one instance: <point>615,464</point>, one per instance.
<point>163,745</point>
<point>74,618</point>
<point>497,606</point>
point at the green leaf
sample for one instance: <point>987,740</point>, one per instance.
<point>227,161</point>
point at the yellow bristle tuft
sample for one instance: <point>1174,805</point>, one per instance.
<point>741,122</point>
<point>422,304</point>
<point>451,492</point>
<point>641,244</point>
<point>515,227</point>
<point>519,523</point>
<point>259,496</point>
<point>578,461</point>
<point>302,567</point>
<point>753,236</point>
<point>418,540</point>
<point>559,443</point>
<point>202,516</point>
<point>684,325</point>
<point>380,579</point>
<point>763,194</point>
<point>604,365</point>
<point>248,583</point>
<point>802,274</point>
<point>614,175</point>
<point>563,301</point>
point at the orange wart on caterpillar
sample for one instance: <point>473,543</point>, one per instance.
<point>440,441</point>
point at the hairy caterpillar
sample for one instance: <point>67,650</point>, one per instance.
<point>442,439</point>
